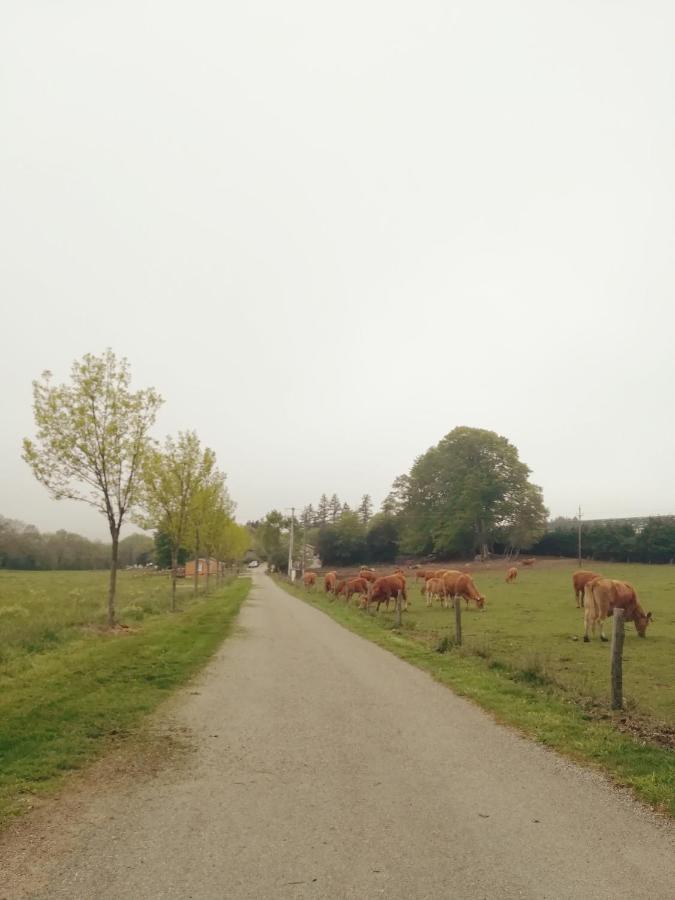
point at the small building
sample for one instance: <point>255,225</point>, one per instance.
<point>209,565</point>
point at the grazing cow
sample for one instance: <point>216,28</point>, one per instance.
<point>459,584</point>
<point>602,596</point>
<point>511,575</point>
<point>351,586</point>
<point>434,589</point>
<point>529,562</point>
<point>329,582</point>
<point>309,580</point>
<point>384,589</point>
<point>424,574</point>
<point>579,581</point>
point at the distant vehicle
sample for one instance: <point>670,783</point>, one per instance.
<point>253,564</point>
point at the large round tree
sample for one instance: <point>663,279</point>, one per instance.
<point>467,492</point>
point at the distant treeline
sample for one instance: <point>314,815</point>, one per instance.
<point>616,541</point>
<point>25,547</point>
<point>467,495</point>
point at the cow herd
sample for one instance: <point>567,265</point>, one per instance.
<point>443,585</point>
<point>598,596</point>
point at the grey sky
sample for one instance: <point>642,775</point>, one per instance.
<point>329,233</point>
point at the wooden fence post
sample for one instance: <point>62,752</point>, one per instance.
<point>617,659</point>
<point>458,620</point>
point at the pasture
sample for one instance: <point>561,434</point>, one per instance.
<point>41,610</point>
<point>534,628</point>
<point>524,658</point>
<point>68,686</point>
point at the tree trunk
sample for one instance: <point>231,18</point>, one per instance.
<point>112,587</point>
<point>174,565</point>
<point>208,573</point>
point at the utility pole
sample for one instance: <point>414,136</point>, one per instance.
<point>290,546</point>
<point>304,540</point>
<point>579,537</point>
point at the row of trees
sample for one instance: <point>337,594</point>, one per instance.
<point>25,547</point>
<point>328,512</point>
<point>469,494</point>
<point>652,541</point>
<point>93,444</point>
<point>183,495</point>
<point>348,541</point>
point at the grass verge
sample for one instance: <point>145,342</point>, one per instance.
<point>539,709</point>
<point>59,709</point>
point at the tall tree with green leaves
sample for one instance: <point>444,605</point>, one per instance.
<point>366,508</point>
<point>322,511</point>
<point>397,498</point>
<point>233,542</point>
<point>92,440</point>
<point>334,508</point>
<point>210,498</point>
<point>218,516</point>
<point>171,478</point>
<point>308,516</point>
<point>468,491</point>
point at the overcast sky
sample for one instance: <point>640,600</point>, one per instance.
<point>330,233</point>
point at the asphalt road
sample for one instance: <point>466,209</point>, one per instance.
<point>325,767</point>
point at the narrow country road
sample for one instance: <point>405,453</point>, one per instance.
<point>325,767</point>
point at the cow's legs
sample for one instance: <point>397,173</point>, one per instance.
<point>587,624</point>
<point>602,631</point>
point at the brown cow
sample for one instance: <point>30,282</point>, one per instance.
<point>329,582</point>
<point>579,581</point>
<point>459,584</point>
<point>424,574</point>
<point>511,575</point>
<point>529,562</point>
<point>309,580</point>
<point>351,586</point>
<point>384,589</point>
<point>368,574</point>
<point>434,589</point>
<point>602,596</point>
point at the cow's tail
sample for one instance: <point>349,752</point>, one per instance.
<point>591,605</point>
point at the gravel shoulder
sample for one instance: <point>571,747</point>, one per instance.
<point>322,766</point>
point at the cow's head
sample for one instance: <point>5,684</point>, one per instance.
<point>481,601</point>
<point>641,622</point>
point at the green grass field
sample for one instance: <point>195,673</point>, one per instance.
<point>533,626</point>
<point>67,686</point>
<point>524,659</point>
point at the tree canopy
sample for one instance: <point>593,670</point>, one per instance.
<point>466,493</point>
